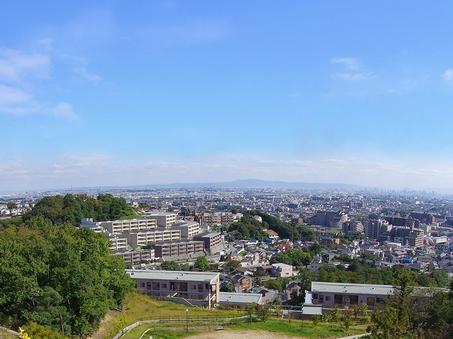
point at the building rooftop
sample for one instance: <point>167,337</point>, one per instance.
<point>245,298</point>
<point>317,286</point>
<point>209,235</point>
<point>173,275</point>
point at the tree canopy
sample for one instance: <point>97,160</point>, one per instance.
<point>57,275</point>
<point>72,208</point>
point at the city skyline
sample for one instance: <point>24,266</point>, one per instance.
<point>167,92</point>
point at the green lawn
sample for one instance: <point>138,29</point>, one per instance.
<point>141,307</point>
<point>296,328</point>
<point>300,328</point>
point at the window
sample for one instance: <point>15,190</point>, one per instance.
<point>156,286</point>
<point>327,298</point>
<point>370,301</point>
<point>164,286</point>
<point>143,285</point>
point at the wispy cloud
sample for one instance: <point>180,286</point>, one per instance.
<point>18,70</point>
<point>15,65</point>
<point>448,75</point>
<point>350,69</point>
<point>86,75</point>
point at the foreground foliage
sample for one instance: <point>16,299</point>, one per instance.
<point>56,275</point>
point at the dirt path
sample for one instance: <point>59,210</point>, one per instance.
<point>230,334</point>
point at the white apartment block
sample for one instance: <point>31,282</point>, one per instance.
<point>130,225</point>
<point>164,219</point>
<point>118,243</point>
<point>188,229</point>
<point>146,237</point>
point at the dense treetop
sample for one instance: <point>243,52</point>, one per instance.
<point>71,208</point>
<point>250,228</point>
<point>57,275</point>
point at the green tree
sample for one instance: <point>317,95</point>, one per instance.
<point>202,264</point>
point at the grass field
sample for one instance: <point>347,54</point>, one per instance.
<point>297,328</point>
<point>300,328</point>
<point>141,307</point>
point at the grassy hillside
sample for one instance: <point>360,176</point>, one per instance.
<point>141,307</point>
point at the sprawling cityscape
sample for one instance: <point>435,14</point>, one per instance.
<point>307,253</point>
<point>226,169</point>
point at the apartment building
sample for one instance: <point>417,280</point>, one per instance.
<point>179,250</point>
<point>408,236</point>
<point>201,288</point>
<point>163,219</point>
<point>135,258</point>
<point>188,229</point>
<point>217,218</point>
<point>352,227</point>
<point>329,295</point>
<point>213,242</point>
<point>375,228</point>
<point>118,243</point>
<point>147,237</point>
<point>328,219</point>
<point>130,225</point>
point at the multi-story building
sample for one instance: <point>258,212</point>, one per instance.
<point>375,228</point>
<point>408,236</point>
<point>129,225</point>
<point>148,237</point>
<point>118,243</point>
<point>400,221</point>
<point>217,218</point>
<point>352,227</point>
<point>188,229</point>
<point>328,219</point>
<point>330,295</point>
<point>179,250</point>
<point>198,287</point>
<point>163,219</point>
<point>423,217</point>
<point>213,242</point>
<point>135,258</point>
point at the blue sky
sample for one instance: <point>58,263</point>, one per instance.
<point>182,91</point>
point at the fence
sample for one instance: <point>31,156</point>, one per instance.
<point>191,321</point>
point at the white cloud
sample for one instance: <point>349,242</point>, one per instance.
<point>448,75</point>
<point>86,75</point>
<point>11,96</point>
<point>18,70</point>
<point>350,69</point>
<point>63,110</point>
<point>15,65</point>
